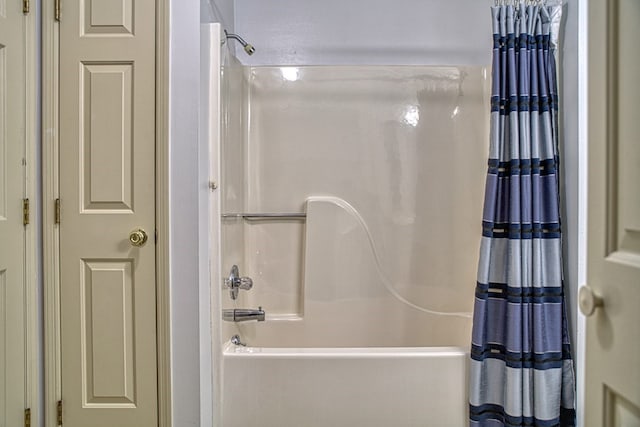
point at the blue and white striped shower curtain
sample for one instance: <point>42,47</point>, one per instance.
<point>521,371</point>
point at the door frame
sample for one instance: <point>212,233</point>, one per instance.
<point>50,230</point>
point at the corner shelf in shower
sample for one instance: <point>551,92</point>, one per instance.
<point>272,216</point>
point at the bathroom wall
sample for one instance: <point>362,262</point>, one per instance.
<point>187,188</point>
<point>573,151</point>
<point>218,11</point>
<point>398,32</point>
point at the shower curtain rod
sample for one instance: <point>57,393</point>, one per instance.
<point>519,2</point>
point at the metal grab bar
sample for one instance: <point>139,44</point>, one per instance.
<point>267,216</point>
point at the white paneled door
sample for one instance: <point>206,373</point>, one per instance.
<point>107,227</point>
<point>12,230</point>
<point>612,298</point>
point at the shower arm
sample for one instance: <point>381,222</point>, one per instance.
<point>247,47</point>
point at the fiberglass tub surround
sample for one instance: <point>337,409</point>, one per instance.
<point>386,163</point>
<point>367,282</point>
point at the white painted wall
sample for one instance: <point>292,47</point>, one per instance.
<point>573,150</point>
<point>401,32</point>
<point>221,11</point>
<point>184,76</point>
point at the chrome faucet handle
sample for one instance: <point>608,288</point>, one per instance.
<point>244,283</point>
<point>234,282</point>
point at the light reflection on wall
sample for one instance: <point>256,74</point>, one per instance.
<point>412,116</point>
<point>290,73</point>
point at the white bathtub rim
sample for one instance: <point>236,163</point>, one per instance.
<point>231,350</point>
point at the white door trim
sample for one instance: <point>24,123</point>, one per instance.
<point>50,192</point>
<point>50,230</point>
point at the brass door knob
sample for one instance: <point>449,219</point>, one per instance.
<point>588,300</point>
<point>138,237</point>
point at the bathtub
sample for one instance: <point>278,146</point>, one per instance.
<point>340,387</point>
<point>353,355</point>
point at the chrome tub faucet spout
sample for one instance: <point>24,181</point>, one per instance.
<point>243,314</point>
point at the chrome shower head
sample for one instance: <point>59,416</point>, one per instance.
<point>247,47</point>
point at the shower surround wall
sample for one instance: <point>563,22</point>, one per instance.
<point>388,164</point>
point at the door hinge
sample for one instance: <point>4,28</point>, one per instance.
<point>59,412</point>
<point>56,211</point>
<point>27,417</point>
<point>56,9</point>
<point>25,6</point>
<point>25,211</point>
